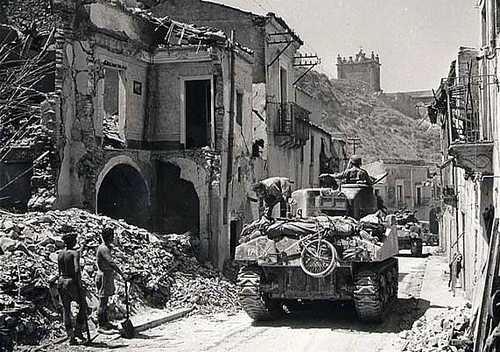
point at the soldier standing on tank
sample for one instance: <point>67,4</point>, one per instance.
<point>70,288</point>
<point>353,173</point>
<point>105,278</point>
<point>272,191</point>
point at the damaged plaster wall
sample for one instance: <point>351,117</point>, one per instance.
<point>131,104</point>
<point>168,96</point>
<point>247,27</point>
<point>83,54</point>
<point>282,161</point>
<point>241,210</point>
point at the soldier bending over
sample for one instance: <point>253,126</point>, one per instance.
<point>272,191</point>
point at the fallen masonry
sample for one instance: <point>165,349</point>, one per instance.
<point>446,331</point>
<point>165,272</point>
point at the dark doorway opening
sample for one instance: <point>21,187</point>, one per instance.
<point>178,203</point>
<point>198,112</point>
<point>15,185</point>
<point>235,230</point>
<point>434,221</point>
<point>283,85</point>
<point>123,195</point>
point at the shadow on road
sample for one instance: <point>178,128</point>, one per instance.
<point>407,255</point>
<point>327,315</point>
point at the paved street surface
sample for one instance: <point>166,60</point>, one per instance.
<point>319,327</point>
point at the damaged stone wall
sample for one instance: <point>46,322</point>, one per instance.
<point>90,170</point>
<point>241,209</point>
<point>27,129</point>
<point>84,53</point>
<point>46,168</point>
<point>168,128</point>
<point>198,171</point>
<point>248,28</point>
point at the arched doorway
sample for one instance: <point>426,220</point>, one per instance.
<point>178,202</point>
<point>123,194</point>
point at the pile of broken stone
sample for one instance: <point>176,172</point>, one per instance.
<point>164,270</point>
<point>447,331</point>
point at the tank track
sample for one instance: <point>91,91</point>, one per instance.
<point>253,301</point>
<point>374,289</point>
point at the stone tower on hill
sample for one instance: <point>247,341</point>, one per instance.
<point>363,68</point>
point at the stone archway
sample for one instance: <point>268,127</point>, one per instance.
<point>179,204</point>
<point>182,200</point>
<point>122,193</point>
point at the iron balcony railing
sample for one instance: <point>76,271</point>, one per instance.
<point>292,121</point>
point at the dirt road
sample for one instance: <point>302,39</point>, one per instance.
<point>325,327</point>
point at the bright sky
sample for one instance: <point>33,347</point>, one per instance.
<point>416,39</point>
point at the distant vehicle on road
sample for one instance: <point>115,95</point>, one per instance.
<point>410,234</point>
<point>429,238</point>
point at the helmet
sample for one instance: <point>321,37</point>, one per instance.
<point>355,160</point>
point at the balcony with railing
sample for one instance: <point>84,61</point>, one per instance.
<point>472,151</point>
<point>292,125</point>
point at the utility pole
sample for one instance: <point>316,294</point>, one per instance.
<point>355,141</point>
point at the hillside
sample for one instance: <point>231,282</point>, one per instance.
<point>385,132</point>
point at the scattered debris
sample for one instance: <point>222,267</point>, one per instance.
<point>165,272</point>
<point>447,331</point>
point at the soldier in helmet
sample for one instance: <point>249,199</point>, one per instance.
<point>353,173</point>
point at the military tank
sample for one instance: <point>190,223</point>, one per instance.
<point>332,247</point>
<point>410,234</point>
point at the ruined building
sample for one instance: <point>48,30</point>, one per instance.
<point>286,119</point>
<point>362,68</point>
<point>166,124</point>
<point>141,111</point>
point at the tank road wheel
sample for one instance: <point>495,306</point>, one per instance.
<point>369,292</point>
<point>392,283</point>
<point>416,247</point>
<point>395,282</point>
<point>256,303</point>
<point>318,258</point>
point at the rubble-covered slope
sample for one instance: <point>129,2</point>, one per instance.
<point>449,330</point>
<point>353,108</point>
<point>165,273</point>
<point>24,14</point>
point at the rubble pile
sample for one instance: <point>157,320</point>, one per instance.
<point>164,272</point>
<point>111,129</point>
<point>447,331</point>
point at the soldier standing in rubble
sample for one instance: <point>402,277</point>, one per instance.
<point>272,191</point>
<point>105,278</point>
<point>353,173</point>
<point>70,288</point>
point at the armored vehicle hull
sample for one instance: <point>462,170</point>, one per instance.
<point>328,226</point>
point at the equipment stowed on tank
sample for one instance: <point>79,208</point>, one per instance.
<point>333,247</point>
